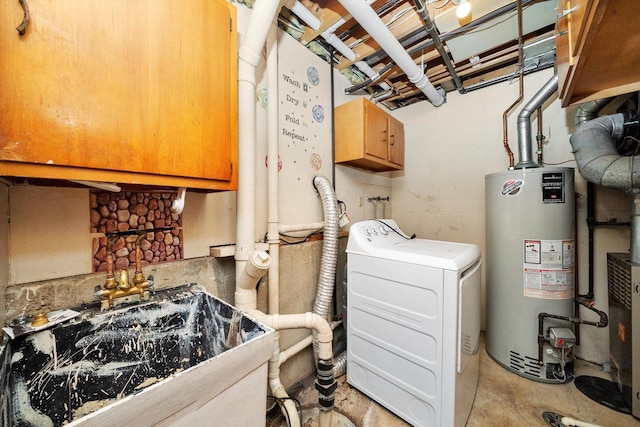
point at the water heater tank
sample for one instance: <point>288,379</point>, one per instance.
<point>530,268</point>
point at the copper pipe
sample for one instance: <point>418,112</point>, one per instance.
<point>138,277</point>
<point>540,137</point>
<point>505,140</point>
<point>111,277</point>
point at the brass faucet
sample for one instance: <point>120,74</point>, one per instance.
<point>116,292</point>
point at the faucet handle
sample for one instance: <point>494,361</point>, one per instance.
<point>124,280</point>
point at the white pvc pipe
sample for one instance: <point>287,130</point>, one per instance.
<point>277,389</point>
<point>336,42</point>
<point>249,55</point>
<point>365,68</point>
<point>305,14</point>
<point>302,320</point>
<point>324,337</point>
<point>296,348</point>
<point>370,21</point>
<point>273,236</point>
<point>246,280</point>
<point>288,228</point>
<point>329,35</point>
<point>249,265</point>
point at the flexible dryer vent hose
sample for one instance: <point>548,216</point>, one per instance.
<point>326,279</point>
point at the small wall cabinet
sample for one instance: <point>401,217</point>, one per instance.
<point>133,92</point>
<point>368,137</point>
<point>597,49</point>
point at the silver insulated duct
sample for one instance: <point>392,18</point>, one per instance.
<point>598,160</point>
<point>525,142</point>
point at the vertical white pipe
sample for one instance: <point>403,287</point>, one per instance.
<point>249,55</point>
<point>264,12</point>
<point>273,218</point>
<point>277,389</point>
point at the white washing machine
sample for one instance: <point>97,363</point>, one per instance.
<point>413,323</point>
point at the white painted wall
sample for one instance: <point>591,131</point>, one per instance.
<point>49,233</point>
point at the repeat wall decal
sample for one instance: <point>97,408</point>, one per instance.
<point>305,120</point>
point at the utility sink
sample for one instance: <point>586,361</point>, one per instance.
<point>184,358</point>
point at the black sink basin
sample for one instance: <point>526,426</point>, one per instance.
<point>61,374</point>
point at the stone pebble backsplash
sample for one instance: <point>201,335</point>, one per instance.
<point>112,212</point>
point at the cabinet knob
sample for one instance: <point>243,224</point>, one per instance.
<point>393,139</point>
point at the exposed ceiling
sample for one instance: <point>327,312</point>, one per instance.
<point>456,54</point>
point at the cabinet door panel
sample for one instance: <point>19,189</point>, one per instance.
<point>396,141</point>
<point>377,136</point>
<point>140,85</point>
<point>578,14</point>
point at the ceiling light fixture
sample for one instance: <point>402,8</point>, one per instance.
<point>463,9</point>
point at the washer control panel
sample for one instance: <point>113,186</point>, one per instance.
<point>382,230</point>
<point>372,234</point>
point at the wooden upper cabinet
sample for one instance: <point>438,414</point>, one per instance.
<point>376,138</point>
<point>597,49</point>
<point>368,137</point>
<point>396,141</point>
<point>136,91</point>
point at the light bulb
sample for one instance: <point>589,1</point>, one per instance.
<point>463,9</point>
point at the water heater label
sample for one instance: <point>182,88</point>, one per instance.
<point>548,268</point>
<point>553,187</point>
<point>512,187</point>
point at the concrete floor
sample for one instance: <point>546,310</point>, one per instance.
<point>503,399</point>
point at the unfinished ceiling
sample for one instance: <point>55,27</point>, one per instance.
<point>455,54</point>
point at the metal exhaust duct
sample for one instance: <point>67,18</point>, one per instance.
<point>525,142</point>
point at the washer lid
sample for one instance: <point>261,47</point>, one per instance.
<point>385,240</point>
<point>432,253</point>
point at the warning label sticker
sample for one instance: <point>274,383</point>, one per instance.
<point>548,268</point>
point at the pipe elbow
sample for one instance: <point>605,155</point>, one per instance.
<point>598,161</point>
<point>255,268</point>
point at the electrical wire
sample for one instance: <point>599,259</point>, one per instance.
<point>301,239</point>
<point>560,163</point>
<point>401,234</point>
